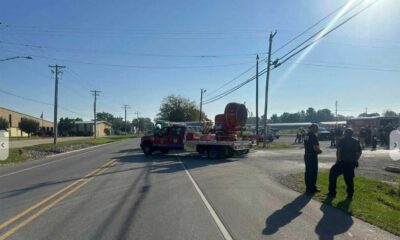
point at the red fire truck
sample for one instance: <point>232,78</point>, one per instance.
<point>222,143</point>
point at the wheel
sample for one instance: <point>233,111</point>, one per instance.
<point>243,152</point>
<point>229,153</point>
<point>214,153</point>
<point>146,148</point>
<point>164,150</point>
<point>246,151</point>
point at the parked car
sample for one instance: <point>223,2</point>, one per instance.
<point>323,134</point>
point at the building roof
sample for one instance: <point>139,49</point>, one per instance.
<point>334,123</point>
<point>290,124</point>
<point>27,115</point>
<point>91,122</point>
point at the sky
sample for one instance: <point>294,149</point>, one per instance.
<point>138,52</point>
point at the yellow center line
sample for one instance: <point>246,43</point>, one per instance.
<point>87,177</point>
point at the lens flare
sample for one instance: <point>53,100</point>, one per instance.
<point>328,27</point>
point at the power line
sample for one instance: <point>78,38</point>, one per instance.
<point>141,54</point>
<point>284,45</point>
<point>143,67</point>
<point>319,31</point>
<point>309,28</point>
<point>285,60</point>
<point>41,102</point>
<point>327,33</point>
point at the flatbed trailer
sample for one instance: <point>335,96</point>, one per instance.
<point>218,149</point>
<point>175,138</point>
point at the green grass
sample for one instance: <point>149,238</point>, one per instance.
<point>26,153</point>
<point>375,202</point>
<point>275,145</point>
<point>28,138</point>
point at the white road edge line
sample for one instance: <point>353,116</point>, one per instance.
<point>54,161</point>
<point>218,222</point>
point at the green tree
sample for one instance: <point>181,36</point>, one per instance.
<point>179,109</point>
<point>66,126</point>
<point>143,124</point>
<point>311,115</point>
<point>29,126</point>
<point>389,113</point>
<point>275,119</point>
<point>3,124</point>
<point>324,115</point>
<point>369,115</point>
<point>104,116</point>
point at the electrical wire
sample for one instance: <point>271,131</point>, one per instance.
<point>41,102</point>
<point>326,34</point>
<point>141,54</point>
<point>318,32</point>
<point>216,98</point>
<point>309,28</point>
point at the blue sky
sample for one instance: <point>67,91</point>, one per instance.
<point>129,33</point>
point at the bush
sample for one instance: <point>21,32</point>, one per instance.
<point>3,124</point>
<point>29,126</point>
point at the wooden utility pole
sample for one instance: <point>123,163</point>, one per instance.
<point>271,37</point>
<point>95,94</point>
<point>201,103</point>
<point>56,71</point>
<point>257,124</point>
<point>125,106</point>
<point>336,115</point>
<point>138,121</point>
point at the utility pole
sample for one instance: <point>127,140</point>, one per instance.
<point>257,124</point>
<point>138,122</point>
<point>201,103</point>
<point>271,36</point>
<point>336,106</point>
<point>125,107</point>
<point>56,72</point>
<point>95,94</point>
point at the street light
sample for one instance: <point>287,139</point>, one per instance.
<point>11,58</point>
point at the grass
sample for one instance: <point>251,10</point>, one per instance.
<point>27,138</point>
<point>42,150</point>
<point>375,202</point>
<point>275,145</point>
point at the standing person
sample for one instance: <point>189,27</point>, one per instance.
<point>347,154</point>
<point>387,130</point>
<point>312,149</point>
<point>298,134</point>
<point>368,136</point>
<point>338,135</point>
<point>332,137</point>
<point>361,137</point>
<point>303,134</point>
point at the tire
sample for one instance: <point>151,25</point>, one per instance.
<point>164,150</point>
<point>147,149</point>
<point>214,153</point>
<point>229,153</point>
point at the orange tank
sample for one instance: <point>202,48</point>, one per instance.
<point>233,119</point>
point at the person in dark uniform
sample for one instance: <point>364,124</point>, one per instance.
<point>347,155</point>
<point>312,149</point>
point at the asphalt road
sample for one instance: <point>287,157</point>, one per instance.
<point>114,192</point>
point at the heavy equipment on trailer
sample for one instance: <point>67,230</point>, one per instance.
<point>221,141</point>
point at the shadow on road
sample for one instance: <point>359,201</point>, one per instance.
<point>333,221</point>
<point>161,164</point>
<point>285,215</point>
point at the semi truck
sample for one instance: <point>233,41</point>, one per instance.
<point>222,141</point>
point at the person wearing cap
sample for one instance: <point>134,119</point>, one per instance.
<point>312,149</point>
<point>347,155</point>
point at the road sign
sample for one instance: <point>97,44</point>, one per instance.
<point>4,145</point>
<point>395,145</point>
